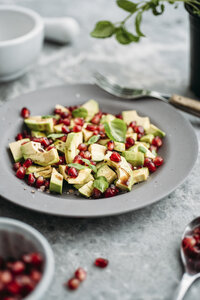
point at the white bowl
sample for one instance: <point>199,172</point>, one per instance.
<point>21,39</point>
<point>17,238</point>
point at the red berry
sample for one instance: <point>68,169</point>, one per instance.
<point>147,161</point>
<point>101,127</point>
<point>36,259</point>
<point>35,275</point>
<point>96,193</point>
<point>73,283</point>
<point>25,112</point>
<point>31,179</point>
<point>82,147</point>
<point>129,142</point>
<point>65,115</point>
<point>158,161</point>
<point>13,288</point>
<point>96,119</point>
<point>25,283</point>
<point>132,124</point>
<point>77,128</point>
<point>111,192</point>
<point>6,277</point>
<point>157,141</point>
<point>151,166</point>
<point>17,267</point>
<point>66,122</point>
<point>19,137</point>
<point>28,162</point>
<point>119,116</point>
<point>80,274</point>
<point>91,127</point>
<point>39,181</point>
<point>115,157</point>
<point>139,129</point>
<point>16,166</point>
<point>79,121</point>
<point>95,132</point>
<point>72,172</point>
<point>188,241</point>
<point>21,172</point>
<point>85,154</point>
<point>57,111</point>
<point>50,147</point>
<point>110,145</point>
<point>101,262</point>
<point>65,129</point>
<point>61,160</point>
<point>78,160</point>
<point>71,108</point>
<point>63,138</point>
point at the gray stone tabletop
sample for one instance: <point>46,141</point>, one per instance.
<point>142,246</point>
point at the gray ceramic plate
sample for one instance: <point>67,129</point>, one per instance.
<point>179,151</point>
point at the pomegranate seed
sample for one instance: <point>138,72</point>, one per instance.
<point>188,242</point>
<point>17,267</point>
<point>129,142</point>
<point>46,184</point>
<point>66,122</point>
<point>96,119</point>
<point>63,138</point>
<point>110,145</point>
<point>36,259</point>
<point>147,161</point>
<point>101,127</point>
<point>16,166</point>
<point>13,288</point>
<point>78,160</point>
<point>115,157</point>
<point>85,154</point>
<point>6,277</point>
<point>158,161</point>
<point>153,148</point>
<point>28,162</point>
<point>79,121</point>
<point>80,274</point>
<point>91,127</point>
<point>25,284</point>
<point>65,115</point>
<point>50,147</point>
<point>102,134</point>
<point>19,137</point>
<point>73,283</point>
<point>60,121</point>
<point>45,142</point>
<point>35,275</point>
<point>25,112</point>
<point>57,111</point>
<point>111,192</point>
<point>65,129</point>
<point>72,172</point>
<point>21,172</point>
<point>132,124</point>
<point>119,116</point>
<point>96,193</point>
<point>101,262</point>
<point>151,166</point>
<point>31,179</point>
<point>157,141</point>
<point>39,181</point>
<point>61,161</point>
<point>95,132</point>
<point>71,108</point>
<point>139,129</point>
<point>82,147</point>
<point>77,128</point>
<point>139,135</point>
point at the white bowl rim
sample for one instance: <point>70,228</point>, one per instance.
<point>49,257</point>
<point>38,27</point>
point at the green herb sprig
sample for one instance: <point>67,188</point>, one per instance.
<point>136,10</point>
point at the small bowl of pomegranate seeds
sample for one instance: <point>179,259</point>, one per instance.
<point>26,262</point>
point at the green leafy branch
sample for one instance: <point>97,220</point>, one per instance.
<point>105,29</point>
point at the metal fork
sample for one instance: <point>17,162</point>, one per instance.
<point>186,104</point>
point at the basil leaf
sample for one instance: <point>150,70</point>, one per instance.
<point>50,116</point>
<point>93,139</point>
<point>55,136</point>
<point>101,183</point>
<point>91,166</point>
<point>142,149</point>
<point>116,130</point>
<point>124,37</point>
<point>127,5</point>
<point>156,11</point>
<point>80,112</point>
<point>138,21</point>
<point>103,29</point>
<point>77,166</point>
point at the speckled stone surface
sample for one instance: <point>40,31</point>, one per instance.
<point>142,246</point>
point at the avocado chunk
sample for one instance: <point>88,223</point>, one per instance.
<point>103,142</point>
<point>39,124</point>
<point>37,134</point>
<point>38,155</point>
<point>86,189</point>
<point>56,182</point>
<point>71,146</point>
<point>92,108</point>
<point>58,128</point>
<point>134,158</point>
<point>148,138</point>
<point>131,115</point>
<point>87,134</point>
<point>62,169</point>
<point>39,171</point>
<point>81,178</point>
<point>120,147</point>
<point>155,131</point>
<point>107,172</point>
<point>15,148</point>
<point>89,178</point>
<point>125,180</point>
<point>107,118</point>
<point>97,152</point>
<point>60,146</point>
<point>141,147</point>
<point>140,175</point>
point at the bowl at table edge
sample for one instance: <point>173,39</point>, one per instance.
<point>17,238</point>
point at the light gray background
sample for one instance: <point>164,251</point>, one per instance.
<point>142,246</point>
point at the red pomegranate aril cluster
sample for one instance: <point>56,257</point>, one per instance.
<point>78,160</point>
<point>65,129</point>
<point>132,124</point>
<point>111,192</point>
<point>101,262</point>
<point>129,142</point>
<point>31,179</point>
<point>72,172</point>
<point>157,141</point>
<point>19,277</point>
<point>96,119</point>
<point>79,276</point>
<point>25,112</point>
<point>19,137</point>
<point>85,154</point>
<point>82,147</point>
<point>139,130</point>
<point>110,145</point>
<point>119,116</point>
<point>96,193</point>
<point>28,162</point>
<point>40,181</point>
<point>16,166</point>
<point>21,172</point>
<point>77,128</point>
<point>91,127</point>
<point>116,157</point>
<point>66,122</point>
<point>79,121</point>
<point>158,161</point>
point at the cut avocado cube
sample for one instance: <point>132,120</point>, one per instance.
<point>97,152</point>
<point>87,134</point>
<point>148,138</point>
<point>39,171</point>
<point>138,148</point>
<point>71,146</point>
<point>103,142</point>
<point>60,146</point>
<point>38,155</point>
<point>86,189</point>
<point>37,134</point>
<point>125,180</point>
<point>134,158</point>
<point>120,147</point>
<point>56,182</point>
<point>58,128</point>
<point>89,178</point>
<point>107,172</point>
<point>62,169</point>
<point>140,175</point>
<point>92,107</point>
<point>107,118</point>
<point>15,148</point>
<point>81,178</point>
<point>155,131</point>
<point>131,115</point>
<point>37,124</point>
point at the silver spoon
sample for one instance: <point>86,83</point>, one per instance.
<point>191,274</point>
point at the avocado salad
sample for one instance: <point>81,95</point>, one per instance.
<point>97,154</point>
